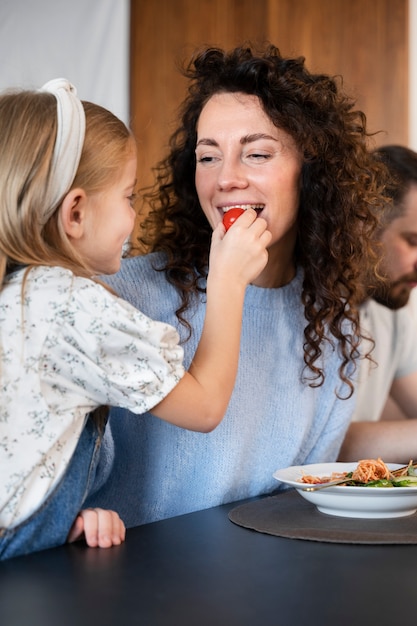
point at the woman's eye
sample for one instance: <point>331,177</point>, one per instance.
<point>258,156</point>
<point>132,198</point>
<point>412,241</point>
<point>207,159</point>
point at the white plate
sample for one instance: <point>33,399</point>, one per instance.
<point>365,502</point>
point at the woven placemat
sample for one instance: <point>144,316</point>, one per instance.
<point>290,515</point>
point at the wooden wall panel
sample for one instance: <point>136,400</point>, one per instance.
<point>365,41</point>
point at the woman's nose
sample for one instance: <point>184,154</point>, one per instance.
<point>232,176</point>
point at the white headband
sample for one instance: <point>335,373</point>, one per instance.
<point>68,144</point>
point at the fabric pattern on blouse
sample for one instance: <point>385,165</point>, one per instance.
<point>69,347</point>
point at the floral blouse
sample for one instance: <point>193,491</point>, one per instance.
<point>69,346</point>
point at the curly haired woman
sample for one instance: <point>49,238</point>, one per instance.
<point>257,130</point>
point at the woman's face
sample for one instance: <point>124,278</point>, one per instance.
<point>244,160</point>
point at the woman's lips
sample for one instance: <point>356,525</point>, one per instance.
<point>256,207</point>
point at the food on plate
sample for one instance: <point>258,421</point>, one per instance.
<point>370,473</point>
<point>231,216</point>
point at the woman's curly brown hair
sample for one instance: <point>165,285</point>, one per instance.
<point>341,192</point>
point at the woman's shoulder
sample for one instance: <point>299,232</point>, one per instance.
<point>132,269</point>
<point>142,281</point>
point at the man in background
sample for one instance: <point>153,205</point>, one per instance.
<point>388,387</point>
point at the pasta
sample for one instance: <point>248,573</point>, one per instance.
<point>370,469</point>
<point>367,471</point>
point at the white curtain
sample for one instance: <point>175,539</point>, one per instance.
<point>85,41</point>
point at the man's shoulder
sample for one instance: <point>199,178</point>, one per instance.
<point>374,308</point>
<point>375,316</point>
<point>412,304</point>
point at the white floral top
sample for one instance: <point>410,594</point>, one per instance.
<point>69,347</point>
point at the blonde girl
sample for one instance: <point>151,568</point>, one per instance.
<point>69,347</point>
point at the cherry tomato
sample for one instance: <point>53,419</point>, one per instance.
<point>231,216</point>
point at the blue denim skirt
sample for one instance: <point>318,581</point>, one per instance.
<point>49,526</point>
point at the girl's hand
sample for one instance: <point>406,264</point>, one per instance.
<point>100,528</point>
<point>240,253</point>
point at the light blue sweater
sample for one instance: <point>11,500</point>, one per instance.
<point>273,420</point>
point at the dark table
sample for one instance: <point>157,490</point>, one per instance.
<point>201,569</point>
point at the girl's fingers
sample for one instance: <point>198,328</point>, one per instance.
<point>102,528</point>
<point>77,530</point>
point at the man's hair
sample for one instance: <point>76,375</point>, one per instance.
<point>402,166</point>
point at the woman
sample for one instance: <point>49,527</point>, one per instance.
<point>257,130</point>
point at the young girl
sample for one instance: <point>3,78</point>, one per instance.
<point>68,346</point>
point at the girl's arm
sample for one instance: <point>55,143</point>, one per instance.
<point>200,399</point>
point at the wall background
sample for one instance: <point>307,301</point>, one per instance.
<point>412,9</point>
<point>364,41</point>
<point>87,41</point>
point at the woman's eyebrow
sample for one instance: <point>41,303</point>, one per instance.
<point>206,142</point>
<point>255,137</point>
<point>244,140</point>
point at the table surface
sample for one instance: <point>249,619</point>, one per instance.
<point>201,569</point>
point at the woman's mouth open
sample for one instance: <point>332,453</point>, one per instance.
<point>256,207</point>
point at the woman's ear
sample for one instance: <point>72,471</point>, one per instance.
<point>73,213</point>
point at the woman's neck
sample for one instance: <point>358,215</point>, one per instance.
<point>280,269</point>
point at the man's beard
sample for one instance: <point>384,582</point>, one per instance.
<point>395,295</point>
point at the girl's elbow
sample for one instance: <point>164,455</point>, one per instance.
<point>209,426</point>
<point>212,418</point>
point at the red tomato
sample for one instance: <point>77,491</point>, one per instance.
<point>231,216</point>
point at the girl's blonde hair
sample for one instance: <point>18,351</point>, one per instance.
<point>28,126</point>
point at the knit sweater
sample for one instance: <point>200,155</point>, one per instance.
<point>274,419</point>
